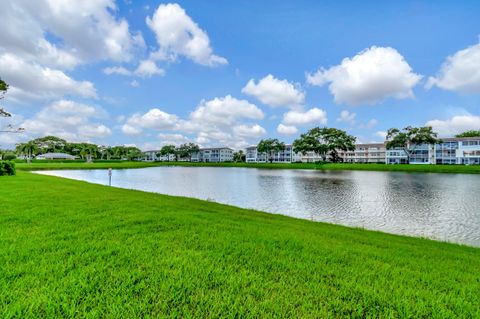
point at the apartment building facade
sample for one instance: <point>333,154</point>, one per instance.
<point>213,155</point>
<point>451,151</point>
<point>289,156</point>
<point>465,150</point>
<point>365,153</point>
<point>154,156</point>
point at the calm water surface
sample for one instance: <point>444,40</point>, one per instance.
<point>438,206</point>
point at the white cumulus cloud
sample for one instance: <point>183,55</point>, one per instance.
<point>32,81</point>
<point>311,116</point>
<point>153,119</point>
<point>274,92</point>
<point>249,130</point>
<point>216,122</point>
<point>178,35</point>
<point>369,77</point>
<point>67,119</point>
<point>460,72</point>
<point>286,129</point>
<point>225,110</point>
<point>148,68</point>
<point>455,125</point>
<point>89,30</point>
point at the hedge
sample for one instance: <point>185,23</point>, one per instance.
<point>7,168</point>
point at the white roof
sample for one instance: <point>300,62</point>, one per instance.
<point>56,155</point>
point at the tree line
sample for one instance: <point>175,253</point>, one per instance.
<point>327,142</point>
<point>85,151</point>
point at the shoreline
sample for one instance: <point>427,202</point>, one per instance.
<point>408,168</point>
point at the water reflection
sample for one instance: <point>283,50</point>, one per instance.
<point>440,206</point>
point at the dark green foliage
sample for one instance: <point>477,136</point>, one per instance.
<point>3,87</point>
<point>168,150</point>
<point>50,144</point>
<point>325,142</point>
<point>7,168</point>
<point>29,150</point>
<point>471,133</point>
<point>239,156</point>
<point>410,138</point>
<point>9,156</point>
<point>186,150</point>
<point>84,151</point>
<point>270,147</point>
<point>79,250</point>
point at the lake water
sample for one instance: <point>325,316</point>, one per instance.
<point>438,206</point>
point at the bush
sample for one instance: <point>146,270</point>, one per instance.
<point>9,156</point>
<point>7,168</point>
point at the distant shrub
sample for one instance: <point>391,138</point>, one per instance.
<point>9,156</point>
<point>7,168</point>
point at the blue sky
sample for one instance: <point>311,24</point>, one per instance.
<point>231,73</point>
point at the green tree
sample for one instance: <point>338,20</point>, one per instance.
<point>187,150</point>
<point>168,150</point>
<point>105,151</point>
<point>88,151</point>
<point>118,152</point>
<point>28,150</point>
<point>239,156</point>
<point>133,153</point>
<point>51,144</point>
<point>325,142</point>
<point>471,133</point>
<point>270,147</point>
<point>410,138</point>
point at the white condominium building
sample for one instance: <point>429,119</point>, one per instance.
<point>213,155</point>
<point>365,153</point>
<point>467,151</point>
<point>464,150</point>
<point>154,155</point>
<point>285,156</point>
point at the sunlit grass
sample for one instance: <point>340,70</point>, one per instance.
<point>73,249</point>
<point>472,169</point>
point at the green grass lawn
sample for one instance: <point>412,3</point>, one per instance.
<point>73,249</point>
<point>473,169</point>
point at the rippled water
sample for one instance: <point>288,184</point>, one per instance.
<point>439,206</point>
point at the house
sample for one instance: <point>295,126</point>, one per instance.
<point>55,156</point>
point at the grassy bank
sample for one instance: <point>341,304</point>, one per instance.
<point>473,169</point>
<point>72,249</point>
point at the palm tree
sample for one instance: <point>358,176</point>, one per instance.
<point>87,151</point>
<point>239,156</point>
<point>105,151</point>
<point>28,150</point>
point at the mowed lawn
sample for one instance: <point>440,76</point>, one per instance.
<point>412,168</point>
<point>73,249</point>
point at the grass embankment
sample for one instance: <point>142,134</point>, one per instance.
<point>473,169</point>
<point>73,249</point>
